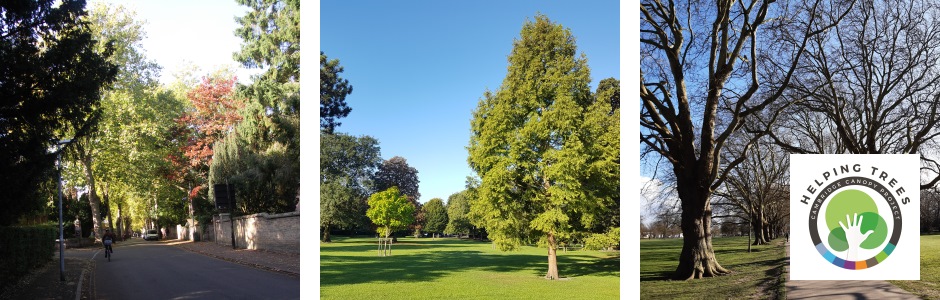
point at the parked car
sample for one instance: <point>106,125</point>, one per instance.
<point>151,235</point>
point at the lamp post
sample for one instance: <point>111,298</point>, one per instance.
<point>58,163</point>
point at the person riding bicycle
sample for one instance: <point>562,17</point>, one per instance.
<point>108,239</point>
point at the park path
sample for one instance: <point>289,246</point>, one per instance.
<point>842,289</point>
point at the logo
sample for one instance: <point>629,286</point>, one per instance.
<point>855,217</point>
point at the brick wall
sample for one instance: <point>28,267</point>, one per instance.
<point>273,232</point>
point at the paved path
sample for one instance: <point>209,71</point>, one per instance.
<point>842,289</point>
<point>157,270</point>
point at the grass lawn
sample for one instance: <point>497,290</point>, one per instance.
<point>448,268</point>
<point>928,287</point>
<point>755,275</point>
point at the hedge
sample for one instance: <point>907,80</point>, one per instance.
<point>23,248</point>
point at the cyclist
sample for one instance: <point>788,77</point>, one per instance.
<point>108,239</point>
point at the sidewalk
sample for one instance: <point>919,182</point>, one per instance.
<point>44,282</point>
<point>842,289</point>
<point>284,263</point>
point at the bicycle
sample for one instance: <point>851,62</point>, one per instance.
<point>107,249</point>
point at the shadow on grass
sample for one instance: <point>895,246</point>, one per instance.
<point>418,267</point>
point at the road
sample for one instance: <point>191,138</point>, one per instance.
<point>154,270</point>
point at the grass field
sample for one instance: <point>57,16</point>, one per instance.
<point>756,275</point>
<point>448,268</point>
<point>928,287</point>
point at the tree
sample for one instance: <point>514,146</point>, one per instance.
<point>212,114</point>
<point>538,144</point>
<point>347,164</point>
<point>135,116</point>
<point>270,130</point>
<point>435,216</point>
<point>458,205</point>
<point>390,210</point>
<point>50,84</point>
<point>395,172</point>
<point>754,187</point>
<point>676,81</point>
<point>333,92</point>
<point>339,206</point>
<point>609,90</point>
<point>883,99</point>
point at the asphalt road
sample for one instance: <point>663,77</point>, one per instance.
<point>153,270</point>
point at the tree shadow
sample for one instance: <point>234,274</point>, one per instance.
<point>418,267</point>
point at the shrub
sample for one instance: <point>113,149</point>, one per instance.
<point>599,241</point>
<point>23,248</point>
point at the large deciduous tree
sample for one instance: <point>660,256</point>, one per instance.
<point>539,145</point>
<point>458,206</point>
<point>699,58</point>
<point>435,216</point>
<point>347,164</point>
<point>395,172</point>
<point>871,85</point>
<point>50,84</point>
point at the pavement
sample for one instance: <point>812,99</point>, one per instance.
<point>842,289</point>
<point>44,282</point>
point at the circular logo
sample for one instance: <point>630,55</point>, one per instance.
<point>855,215</point>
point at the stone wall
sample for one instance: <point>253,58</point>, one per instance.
<point>272,232</point>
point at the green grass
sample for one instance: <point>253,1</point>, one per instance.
<point>928,287</point>
<point>448,268</point>
<point>755,275</point>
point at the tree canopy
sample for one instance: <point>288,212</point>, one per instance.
<point>52,77</point>
<point>540,144</point>
<point>390,210</point>
<point>435,216</point>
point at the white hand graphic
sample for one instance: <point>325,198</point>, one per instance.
<point>854,236</point>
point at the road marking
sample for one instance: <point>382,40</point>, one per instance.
<point>96,254</point>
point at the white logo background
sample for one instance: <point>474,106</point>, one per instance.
<point>807,169</point>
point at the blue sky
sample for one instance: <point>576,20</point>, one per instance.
<point>418,69</point>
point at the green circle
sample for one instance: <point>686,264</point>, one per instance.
<point>873,221</point>
<point>848,203</point>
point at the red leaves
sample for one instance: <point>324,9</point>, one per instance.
<point>214,113</point>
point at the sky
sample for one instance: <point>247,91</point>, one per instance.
<point>419,68</point>
<point>182,32</point>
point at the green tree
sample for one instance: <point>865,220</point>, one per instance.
<point>333,92</point>
<point>135,116</point>
<point>339,207</point>
<point>347,164</point>
<point>458,205</point>
<point>435,216</point>
<point>50,84</point>
<point>267,140</point>
<point>390,210</point>
<point>539,145</point>
<point>395,172</point>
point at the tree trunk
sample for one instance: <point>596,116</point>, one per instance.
<point>107,208</point>
<point>552,258</point>
<point>93,200</point>
<point>326,234</point>
<point>697,258</point>
<point>759,229</point>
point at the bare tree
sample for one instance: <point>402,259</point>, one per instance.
<point>702,57</point>
<point>871,85</point>
<point>755,188</point>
